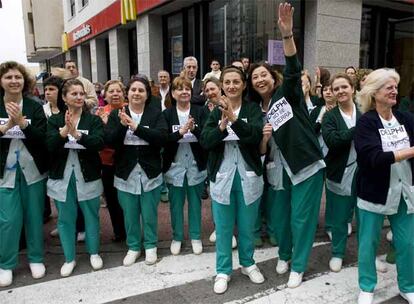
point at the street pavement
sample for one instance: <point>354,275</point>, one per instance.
<point>189,278</point>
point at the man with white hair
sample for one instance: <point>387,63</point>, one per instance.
<point>190,68</point>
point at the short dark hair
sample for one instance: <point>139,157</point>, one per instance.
<point>71,60</point>
<point>53,81</point>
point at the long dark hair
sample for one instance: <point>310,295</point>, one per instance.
<point>253,95</point>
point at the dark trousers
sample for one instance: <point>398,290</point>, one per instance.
<point>114,208</point>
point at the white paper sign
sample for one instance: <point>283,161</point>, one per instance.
<point>132,140</point>
<point>187,137</point>
<point>394,139</point>
<point>14,132</point>
<point>280,113</point>
<point>72,144</point>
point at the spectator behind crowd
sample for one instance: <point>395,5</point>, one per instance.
<point>246,63</point>
<point>361,76</point>
<point>164,81</point>
<point>238,63</point>
<point>407,103</point>
<point>351,72</point>
<point>190,69</point>
<point>215,70</point>
<point>98,90</point>
<point>91,99</point>
<point>51,89</point>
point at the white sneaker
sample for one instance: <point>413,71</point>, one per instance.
<point>54,232</point>
<point>349,229</point>
<point>6,277</point>
<point>197,246</point>
<point>81,237</point>
<point>254,274</point>
<point>329,233</point>
<point>295,279</point>
<point>335,264</point>
<point>151,256</point>
<point>233,242</point>
<point>389,236</point>
<point>220,283</point>
<point>282,266</point>
<point>96,261</point>
<point>409,297</point>
<point>365,297</point>
<point>175,247</point>
<point>380,265</point>
<point>131,257</point>
<point>38,270</point>
<point>213,237</point>
<point>67,269</point>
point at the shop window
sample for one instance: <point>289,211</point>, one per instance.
<point>246,28</point>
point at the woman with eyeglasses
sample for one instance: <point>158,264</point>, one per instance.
<point>384,143</point>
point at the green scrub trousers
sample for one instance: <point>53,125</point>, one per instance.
<point>296,214</point>
<point>135,206</point>
<point>369,233</point>
<point>342,206</point>
<point>23,203</point>
<point>225,217</point>
<point>177,196</point>
<point>66,224</point>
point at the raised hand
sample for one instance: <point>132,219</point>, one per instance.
<point>285,21</point>
<point>126,120</point>
<point>226,108</point>
<point>267,132</point>
<point>224,122</point>
<point>15,114</point>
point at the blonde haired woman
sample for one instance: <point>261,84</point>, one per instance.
<point>384,140</point>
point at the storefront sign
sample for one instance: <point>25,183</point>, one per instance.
<point>275,54</point>
<point>83,32</point>
<point>177,54</point>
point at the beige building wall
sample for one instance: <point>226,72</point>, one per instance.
<point>43,23</point>
<point>332,34</point>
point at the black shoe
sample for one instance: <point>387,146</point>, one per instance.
<point>118,239</point>
<point>204,195</point>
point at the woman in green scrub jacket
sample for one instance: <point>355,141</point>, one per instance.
<point>232,135</point>
<point>184,164</point>
<point>137,133</point>
<point>212,91</point>
<point>384,142</point>
<point>74,139</point>
<point>23,166</point>
<point>300,182</point>
<point>338,127</point>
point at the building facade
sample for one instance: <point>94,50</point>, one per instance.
<point>112,38</point>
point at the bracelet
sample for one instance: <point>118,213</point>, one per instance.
<point>287,37</point>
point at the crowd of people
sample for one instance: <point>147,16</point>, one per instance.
<point>265,144</point>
